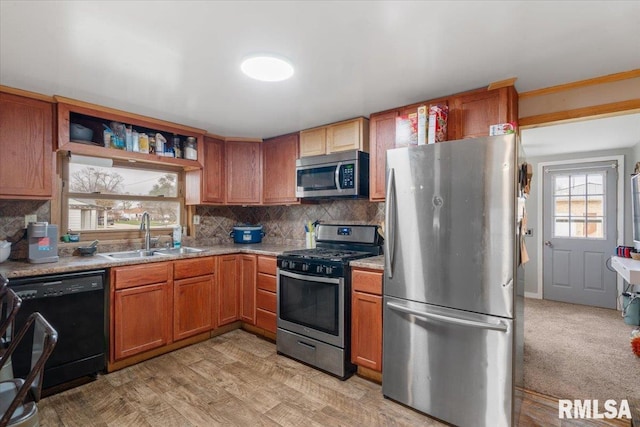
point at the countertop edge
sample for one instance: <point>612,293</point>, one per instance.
<point>19,269</point>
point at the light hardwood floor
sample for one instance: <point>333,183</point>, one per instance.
<point>238,379</point>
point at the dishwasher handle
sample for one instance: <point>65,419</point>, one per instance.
<point>447,319</point>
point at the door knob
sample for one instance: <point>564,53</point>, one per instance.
<point>548,243</point>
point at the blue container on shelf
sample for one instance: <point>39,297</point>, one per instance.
<point>247,234</point>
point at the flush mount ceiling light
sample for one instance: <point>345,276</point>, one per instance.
<point>267,68</point>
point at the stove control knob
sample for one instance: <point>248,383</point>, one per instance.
<point>284,264</point>
<point>319,269</point>
<point>328,270</point>
<point>292,265</point>
<point>305,267</point>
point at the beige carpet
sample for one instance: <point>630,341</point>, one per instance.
<point>578,352</point>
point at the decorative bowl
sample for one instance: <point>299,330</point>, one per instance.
<point>87,250</point>
<point>4,253</point>
<point>74,237</point>
<point>635,255</point>
<point>80,133</point>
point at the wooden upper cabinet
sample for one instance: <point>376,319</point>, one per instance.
<point>382,138</point>
<point>349,135</point>
<point>279,157</point>
<point>26,144</point>
<point>343,136</point>
<point>313,142</point>
<point>243,160</point>
<point>208,184</point>
<point>471,114</point>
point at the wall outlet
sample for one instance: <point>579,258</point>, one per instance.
<point>196,219</point>
<point>30,218</point>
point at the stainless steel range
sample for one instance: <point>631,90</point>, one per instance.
<point>314,296</point>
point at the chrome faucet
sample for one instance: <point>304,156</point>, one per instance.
<point>145,225</point>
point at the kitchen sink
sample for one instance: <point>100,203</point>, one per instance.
<point>133,254</point>
<point>178,251</point>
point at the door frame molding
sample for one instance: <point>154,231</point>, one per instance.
<point>619,214</point>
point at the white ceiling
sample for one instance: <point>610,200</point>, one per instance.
<point>588,135</point>
<point>179,60</point>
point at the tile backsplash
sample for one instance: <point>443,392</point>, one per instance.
<point>283,224</point>
<point>12,228</point>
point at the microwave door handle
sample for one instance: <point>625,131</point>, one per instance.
<point>390,223</point>
<point>448,319</point>
<point>337,176</point>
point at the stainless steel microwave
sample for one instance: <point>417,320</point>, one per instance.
<point>343,174</point>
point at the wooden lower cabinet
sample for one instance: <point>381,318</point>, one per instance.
<point>228,304</point>
<point>247,266</point>
<point>366,319</point>
<point>142,319</point>
<point>192,306</point>
<point>266,302</point>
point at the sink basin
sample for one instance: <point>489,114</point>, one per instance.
<point>132,254</point>
<point>178,251</point>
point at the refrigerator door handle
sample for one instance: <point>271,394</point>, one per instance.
<point>389,241</point>
<point>446,319</point>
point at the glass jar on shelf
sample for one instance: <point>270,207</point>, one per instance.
<point>191,149</point>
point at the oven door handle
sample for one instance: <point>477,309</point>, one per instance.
<point>309,278</point>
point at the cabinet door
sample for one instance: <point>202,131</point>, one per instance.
<point>382,138</point>
<point>227,290</point>
<point>279,161</point>
<point>472,114</point>
<point>213,171</point>
<point>244,172</point>
<point>26,144</point>
<point>349,135</point>
<point>248,271</point>
<point>313,142</point>
<point>192,306</point>
<point>142,319</point>
<point>366,330</point>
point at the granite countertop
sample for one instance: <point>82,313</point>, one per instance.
<point>15,269</point>
<point>374,263</point>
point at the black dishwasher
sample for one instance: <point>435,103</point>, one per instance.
<point>74,304</point>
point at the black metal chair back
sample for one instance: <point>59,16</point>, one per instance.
<point>45,338</point>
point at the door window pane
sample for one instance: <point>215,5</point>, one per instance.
<point>579,205</point>
<point>561,185</point>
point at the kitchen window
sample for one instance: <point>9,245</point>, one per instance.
<point>105,199</point>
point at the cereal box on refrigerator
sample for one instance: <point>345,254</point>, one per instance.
<point>407,129</point>
<point>437,123</point>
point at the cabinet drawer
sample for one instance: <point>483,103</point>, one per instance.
<point>266,320</point>
<point>267,265</point>
<point>185,268</point>
<point>142,274</point>
<point>266,282</point>
<point>367,281</point>
<point>266,300</point>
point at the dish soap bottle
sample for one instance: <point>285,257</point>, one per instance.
<point>177,236</point>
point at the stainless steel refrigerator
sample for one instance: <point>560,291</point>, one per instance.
<point>453,284</point>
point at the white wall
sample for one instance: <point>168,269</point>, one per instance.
<point>631,155</point>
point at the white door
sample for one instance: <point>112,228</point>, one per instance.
<point>579,231</point>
